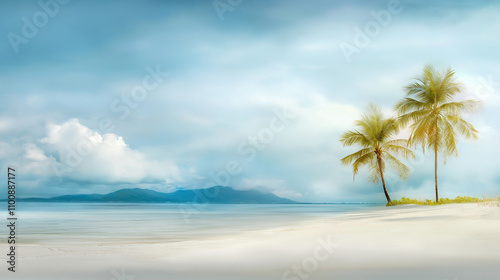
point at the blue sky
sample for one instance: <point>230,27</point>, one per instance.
<point>169,95</point>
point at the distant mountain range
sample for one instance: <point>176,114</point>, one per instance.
<point>216,194</point>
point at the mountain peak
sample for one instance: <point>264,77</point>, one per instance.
<point>218,194</point>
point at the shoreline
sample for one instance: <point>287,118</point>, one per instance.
<point>407,241</point>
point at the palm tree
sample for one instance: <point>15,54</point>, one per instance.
<point>374,137</point>
<point>435,119</point>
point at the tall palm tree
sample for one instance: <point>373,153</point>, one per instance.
<point>375,137</point>
<point>435,119</point>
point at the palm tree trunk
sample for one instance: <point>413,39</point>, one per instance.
<point>379,160</point>
<point>436,172</point>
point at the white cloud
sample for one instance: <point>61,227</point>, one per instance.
<point>33,153</point>
<point>35,160</point>
<point>84,154</point>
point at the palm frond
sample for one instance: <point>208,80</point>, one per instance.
<point>448,139</point>
<point>408,104</point>
<point>398,150</point>
<point>457,108</point>
<point>448,87</point>
<point>361,161</point>
<point>396,164</point>
<point>374,171</point>
<point>388,129</point>
<point>350,138</point>
<point>420,131</point>
<point>463,127</point>
<point>354,156</point>
<point>411,117</point>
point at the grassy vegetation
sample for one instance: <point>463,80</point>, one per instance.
<point>458,199</point>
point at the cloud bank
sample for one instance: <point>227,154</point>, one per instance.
<point>226,79</point>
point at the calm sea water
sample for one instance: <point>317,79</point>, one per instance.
<point>106,223</point>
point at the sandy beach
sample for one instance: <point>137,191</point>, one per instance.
<point>404,242</point>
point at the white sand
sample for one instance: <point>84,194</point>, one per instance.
<point>404,242</point>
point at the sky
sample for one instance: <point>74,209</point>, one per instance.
<point>102,95</point>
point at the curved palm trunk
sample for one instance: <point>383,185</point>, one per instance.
<point>379,161</point>
<point>436,172</point>
<point>436,141</point>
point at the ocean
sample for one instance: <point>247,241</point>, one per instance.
<point>141,223</point>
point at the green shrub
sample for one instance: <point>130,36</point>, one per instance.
<point>458,199</point>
